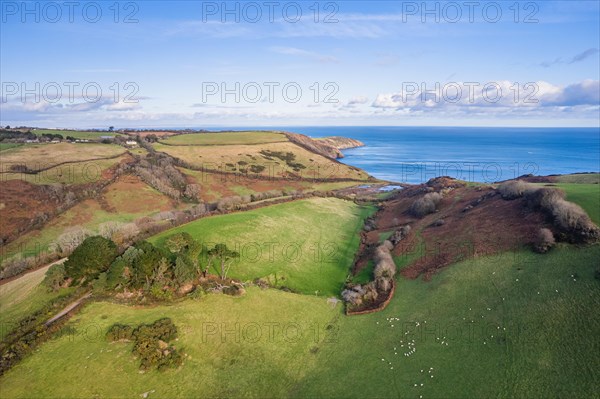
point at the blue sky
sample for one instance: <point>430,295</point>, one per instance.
<point>368,62</point>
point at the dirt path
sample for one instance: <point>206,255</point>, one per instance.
<point>68,308</point>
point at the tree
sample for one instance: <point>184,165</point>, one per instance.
<point>111,128</point>
<point>55,276</point>
<point>177,243</point>
<point>92,257</point>
<point>183,244</point>
<point>145,263</point>
<point>184,270</point>
<point>224,255</point>
<point>117,275</point>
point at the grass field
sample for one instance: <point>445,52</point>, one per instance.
<point>73,173</point>
<point>41,156</point>
<point>78,134</point>
<point>506,326</point>
<point>585,178</point>
<point>307,245</point>
<point>225,138</point>
<point>8,146</point>
<point>233,158</point>
<point>22,297</point>
<point>512,325</point>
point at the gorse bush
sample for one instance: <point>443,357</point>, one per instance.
<point>544,241</point>
<point>425,205</point>
<point>512,189</point>
<point>570,218</point>
<point>120,332</point>
<point>150,343</point>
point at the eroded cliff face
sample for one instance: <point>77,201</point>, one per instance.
<point>329,146</point>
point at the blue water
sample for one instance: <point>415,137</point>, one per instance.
<point>417,154</point>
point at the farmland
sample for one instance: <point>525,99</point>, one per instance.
<point>500,321</point>
<point>225,138</point>
<point>36,157</point>
<point>239,158</point>
<point>307,246</point>
<point>450,320</point>
<point>77,134</point>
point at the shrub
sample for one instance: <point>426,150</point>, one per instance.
<point>569,216</point>
<point>119,332</point>
<point>543,197</point>
<point>400,234</point>
<point>512,189</point>
<point>544,241</point>
<point>425,205</point>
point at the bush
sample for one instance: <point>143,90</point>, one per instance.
<point>513,189</point>
<point>120,332</point>
<point>544,241</point>
<point>425,205</point>
<point>543,198</point>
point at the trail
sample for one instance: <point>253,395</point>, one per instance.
<point>68,308</point>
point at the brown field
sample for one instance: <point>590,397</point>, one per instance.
<point>123,201</point>
<point>20,201</point>
<point>227,158</point>
<point>131,195</point>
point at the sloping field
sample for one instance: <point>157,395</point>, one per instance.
<point>215,186</point>
<point>42,156</point>
<point>244,158</point>
<point>225,138</point>
<point>511,325</point>
<point>72,173</point>
<point>23,296</point>
<point>123,201</point>
<point>305,245</point>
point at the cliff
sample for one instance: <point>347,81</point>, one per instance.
<point>329,146</point>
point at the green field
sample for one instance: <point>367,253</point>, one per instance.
<point>225,138</point>
<point>78,134</point>
<point>586,178</point>
<point>544,342</point>
<point>8,146</point>
<point>306,245</point>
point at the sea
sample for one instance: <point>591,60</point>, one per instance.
<point>477,154</point>
<point>414,155</point>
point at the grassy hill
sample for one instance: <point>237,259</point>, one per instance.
<point>543,343</point>
<point>305,245</point>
